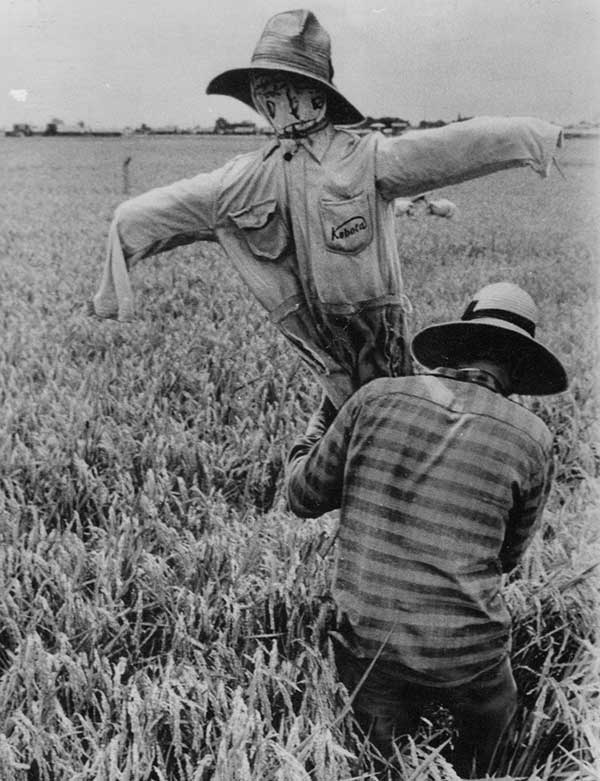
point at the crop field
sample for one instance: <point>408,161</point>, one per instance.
<point>162,615</point>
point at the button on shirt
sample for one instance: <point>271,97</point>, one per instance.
<point>310,228</point>
<point>441,481</point>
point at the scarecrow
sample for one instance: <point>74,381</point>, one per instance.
<point>308,219</point>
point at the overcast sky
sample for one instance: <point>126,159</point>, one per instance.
<point>124,62</point>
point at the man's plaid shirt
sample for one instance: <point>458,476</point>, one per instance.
<point>441,481</point>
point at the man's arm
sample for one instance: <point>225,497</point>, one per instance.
<point>154,222</point>
<point>423,160</point>
<point>525,516</point>
<point>315,468</point>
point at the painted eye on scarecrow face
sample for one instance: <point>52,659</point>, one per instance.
<point>271,108</point>
<point>294,103</point>
<point>318,101</point>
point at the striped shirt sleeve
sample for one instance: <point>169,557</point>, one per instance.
<point>315,471</point>
<point>526,515</point>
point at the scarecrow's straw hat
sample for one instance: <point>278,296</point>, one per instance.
<point>292,41</point>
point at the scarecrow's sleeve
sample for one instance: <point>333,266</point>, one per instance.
<point>526,514</point>
<point>154,222</point>
<point>421,160</point>
<point>315,465</point>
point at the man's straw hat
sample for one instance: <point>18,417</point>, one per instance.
<point>501,316</point>
<point>295,42</point>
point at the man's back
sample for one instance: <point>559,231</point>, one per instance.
<point>442,482</point>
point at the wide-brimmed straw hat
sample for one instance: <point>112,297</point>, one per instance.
<point>503,317</point>
<point>292,41</point>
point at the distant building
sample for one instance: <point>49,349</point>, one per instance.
<point>165,130</point>
<point>60,129</point>
<point>245,128</point>
<point>21,129</point>
<point>223,127</point>
<point>399,126</point>
<point>108,131</point>
<point>389,126</point>
<point>583,130</point>
<point>425,124</point>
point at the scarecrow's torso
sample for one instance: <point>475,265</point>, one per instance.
<point>311,231</point>
<point>315,241</point>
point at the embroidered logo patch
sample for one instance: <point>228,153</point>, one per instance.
<point>347,224</point>
<point>348,228</point>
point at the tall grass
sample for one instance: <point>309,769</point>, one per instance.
<point>162,616</point>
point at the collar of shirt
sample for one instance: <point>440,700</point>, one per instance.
<point>478,376</point>
<point>316,144</point>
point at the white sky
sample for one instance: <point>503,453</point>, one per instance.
<point>123,62</point>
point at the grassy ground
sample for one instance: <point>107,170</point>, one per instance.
<point>161,615</point>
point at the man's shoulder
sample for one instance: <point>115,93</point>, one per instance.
<point>518,420</point>
<point>447,392</point>
<point>413,384</point>
<point>529,422</point>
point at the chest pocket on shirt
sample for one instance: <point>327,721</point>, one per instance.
<point>347,225</point>
<point>263,228</point>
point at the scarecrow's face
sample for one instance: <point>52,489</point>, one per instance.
<point>292,104</point>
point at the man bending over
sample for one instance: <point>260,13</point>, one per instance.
<point>441,479</point>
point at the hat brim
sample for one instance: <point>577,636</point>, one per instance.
<point>448,344</point>
<point>236,84</point>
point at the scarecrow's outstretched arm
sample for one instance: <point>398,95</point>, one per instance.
<point>154,222</point>
<point>423,160</point>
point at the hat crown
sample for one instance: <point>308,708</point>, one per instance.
<point>296,40</point>
<point>300,24</point>
<point>504,300</point>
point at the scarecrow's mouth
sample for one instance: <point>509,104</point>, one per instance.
<point>302,124</point>
<point>303,128</point>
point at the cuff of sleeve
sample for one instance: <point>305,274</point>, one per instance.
<point>550,139</point>
<point>301,498</point>
<point>302,447</point>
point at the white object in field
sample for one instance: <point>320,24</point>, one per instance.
<point>407,206</point>
<point>403,206</point>
<point>441,207</point>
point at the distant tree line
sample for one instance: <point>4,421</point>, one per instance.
<point>56,127</point>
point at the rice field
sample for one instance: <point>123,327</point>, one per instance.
<point>162,615</point>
